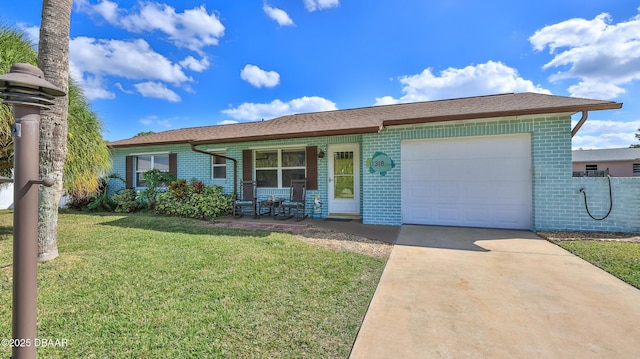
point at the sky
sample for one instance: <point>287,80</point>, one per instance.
<point>161,65</point>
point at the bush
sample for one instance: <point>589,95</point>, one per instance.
<point>194,200</point>
<point>100,200</point>
<point>154,180</point>
<point>125,201</point>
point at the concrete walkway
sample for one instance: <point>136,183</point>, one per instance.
<point>481,293</point>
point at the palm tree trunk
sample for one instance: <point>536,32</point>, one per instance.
<point>53,59</point>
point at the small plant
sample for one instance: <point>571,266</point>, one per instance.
<point>154,180</point>
<point>101,200</point>
<point>198,186</point>
<point>125,201</point>
<point>178,188</point>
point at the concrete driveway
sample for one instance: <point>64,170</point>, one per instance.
<point>481,293</point>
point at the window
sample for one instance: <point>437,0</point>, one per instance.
<point>276,168</point>
<point>218,166</point>
<point>591,167</point>
<point>636,169</point>
<point>150,162</point>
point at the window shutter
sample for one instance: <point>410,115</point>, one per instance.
<point>312,167</point>
<point>129,171</point>
<point>173,164</point>
<point>247,164</point>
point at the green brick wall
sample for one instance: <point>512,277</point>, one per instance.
<point>557,204</point>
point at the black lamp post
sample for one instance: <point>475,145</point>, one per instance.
<point>26,89</point>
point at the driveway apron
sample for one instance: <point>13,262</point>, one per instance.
<point>450,292</point>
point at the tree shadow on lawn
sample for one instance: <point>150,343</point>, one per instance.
<point>181,225</point>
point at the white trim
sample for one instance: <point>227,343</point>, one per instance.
<point>341,207</point>
<point>215,165</point>
<point>301,145</point>
<point>216,149</point>
<point>279,168</point>
<point>482,120</point>
<point>149,153</point>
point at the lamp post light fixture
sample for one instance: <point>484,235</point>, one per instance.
<point>25,88</point>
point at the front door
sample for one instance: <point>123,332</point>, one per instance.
<point>344,180</point>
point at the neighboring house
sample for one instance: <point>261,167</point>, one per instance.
<point>620,162</point>
<point>492,161</point>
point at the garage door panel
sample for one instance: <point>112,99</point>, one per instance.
<point>471,181</point>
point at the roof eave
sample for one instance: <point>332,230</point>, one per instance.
<point>111,145</point>
<point>494,114</point>
<point>286,136</point>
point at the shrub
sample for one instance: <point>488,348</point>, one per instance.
<point>194,200</point>
<point>125,201</point>
<point>101,200</point>
<point>154,181</point>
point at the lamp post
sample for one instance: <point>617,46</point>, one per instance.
<point>26,89</point>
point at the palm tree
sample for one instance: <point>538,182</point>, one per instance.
<point>88,155</point>
<point>638,138</point>
<point>15,49</point>
<point>53,60</point>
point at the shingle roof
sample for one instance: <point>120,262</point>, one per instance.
<point>372,119</point>
<point>606,155</point>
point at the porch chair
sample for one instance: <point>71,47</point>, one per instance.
<point>247,199</point>
<point>296,204</point>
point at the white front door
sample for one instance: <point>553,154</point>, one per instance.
<point>344,180</point>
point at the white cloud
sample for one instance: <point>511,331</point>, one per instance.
<point>91,60</point>
<point>129,59</point>
<point>121,88</point>
<point>154,121</point>
<point>475,80</point>
<point>259,77</point>
<point>602,56</point>
<point>157,90</point>
<point>313,5</point>
<point>193,29</point>
<point>107,9</point>
<point>193,64</point>
<point>277,108</point>
<point>94,87</point>
<point>32,32</point>
<point>596,134</point>
<point>279,15</point>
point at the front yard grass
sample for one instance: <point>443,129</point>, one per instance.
<point>622,259</point>
<point>142,286</point>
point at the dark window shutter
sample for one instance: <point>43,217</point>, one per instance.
<point>173,164</point>
<point>247,164</point>
<point>312,167</point>
<point>129,171</point>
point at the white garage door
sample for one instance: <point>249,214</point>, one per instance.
<point>468,181</point>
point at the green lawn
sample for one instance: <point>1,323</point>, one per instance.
<point>618,258</point>
<point>141,286</point>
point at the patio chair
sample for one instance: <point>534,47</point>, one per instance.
<point>296,204</point>
<point>247,199</point>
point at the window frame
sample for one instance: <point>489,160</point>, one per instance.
<point>591,167</point>
<point>279,168</point>
<point>215,165</point>
<point>137,173</point>
<point>636,169</point>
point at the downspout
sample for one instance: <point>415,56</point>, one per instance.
<point>235,166</point>
<point>575,130</point>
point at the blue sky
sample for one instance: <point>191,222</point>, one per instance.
<point>155,66</point>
